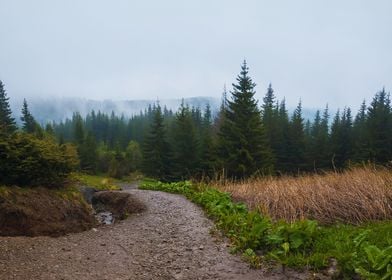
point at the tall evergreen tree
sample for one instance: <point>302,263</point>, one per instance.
<point>361,136</point>
<point>270,119</point>
<point>78,129</point>
<point>318,147</point>
<point>207,147</point>
<point>156,149</point>
<point>341,139</point>
<point>186,144</point>
<point>7,122</point>
<point>219,119</point>
<point>88,153</point>
<point>243,146</point>
<point>296,141</point>
<point>282,148</point>
<point>379,126</point>
<point>29,124</point>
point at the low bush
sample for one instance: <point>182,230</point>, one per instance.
<point>26,160</point>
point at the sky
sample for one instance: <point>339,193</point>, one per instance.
<point>336,52</point>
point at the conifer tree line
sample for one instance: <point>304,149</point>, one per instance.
<point>245,138</point>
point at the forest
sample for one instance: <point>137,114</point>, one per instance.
<point>244,139</point>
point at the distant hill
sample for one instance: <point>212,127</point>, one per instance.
<point>58,109</point>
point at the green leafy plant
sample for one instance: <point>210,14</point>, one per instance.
<point>252,258</point>
<point>298,236</point>
<point>370,261</point>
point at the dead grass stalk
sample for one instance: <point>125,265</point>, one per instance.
<point>355,196</point>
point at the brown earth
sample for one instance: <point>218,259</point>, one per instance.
<point>170,240</point>
<point>41,211</point>
<point>121,204</point>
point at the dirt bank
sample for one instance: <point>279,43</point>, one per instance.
<point>32,212</point>
<point>121,204</point>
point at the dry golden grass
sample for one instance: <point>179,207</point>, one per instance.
<point>354,197</point>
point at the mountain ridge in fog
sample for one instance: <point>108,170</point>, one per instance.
<point>56,109</point>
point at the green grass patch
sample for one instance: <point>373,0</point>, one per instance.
<point>97,181</point>
<point>364,250</point>
<point>71,193</point>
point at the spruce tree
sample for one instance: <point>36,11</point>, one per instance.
<point>296,141</point>
<point>207,147</point>
<point>282,147</point>
<point>270,119</point>
<point>341,139</point>
<point>78,129</point>
<point>29,124</point>
<point>156,149</point>
<point>379,126</point>
<point>318,147</point>
<point>219,119</point>
<point>186,144</point>
<point>361,136</point>
<point>89,154</point>
<point>7,122</point>
<point>243,146</point>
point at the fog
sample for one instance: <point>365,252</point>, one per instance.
<point>336,52</point>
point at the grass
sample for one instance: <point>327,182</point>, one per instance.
<point>354,197</point>
<point>364,250</point>
<point>68,193</point>
<point>96,181</point>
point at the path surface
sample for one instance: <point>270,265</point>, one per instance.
<point>171,240</point>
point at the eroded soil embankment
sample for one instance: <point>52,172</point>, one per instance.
<point>36,212</point>
<point>32,212</point>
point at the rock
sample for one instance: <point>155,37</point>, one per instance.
<point>88,193</point>
<point>105,218</point>
<point>333,270</point>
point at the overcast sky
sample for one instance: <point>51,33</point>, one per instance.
<point>335,51</point>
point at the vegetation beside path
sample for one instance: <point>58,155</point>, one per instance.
<point>339,250</point>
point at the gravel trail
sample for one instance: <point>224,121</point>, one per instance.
<point>171,240</point>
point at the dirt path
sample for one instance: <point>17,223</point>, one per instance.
<point>170,240</point>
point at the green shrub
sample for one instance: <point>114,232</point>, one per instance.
<point>26,160</point>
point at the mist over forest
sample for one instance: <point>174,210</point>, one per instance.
<point>57,109</point>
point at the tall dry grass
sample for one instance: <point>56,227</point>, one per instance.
<point>354,197</point>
